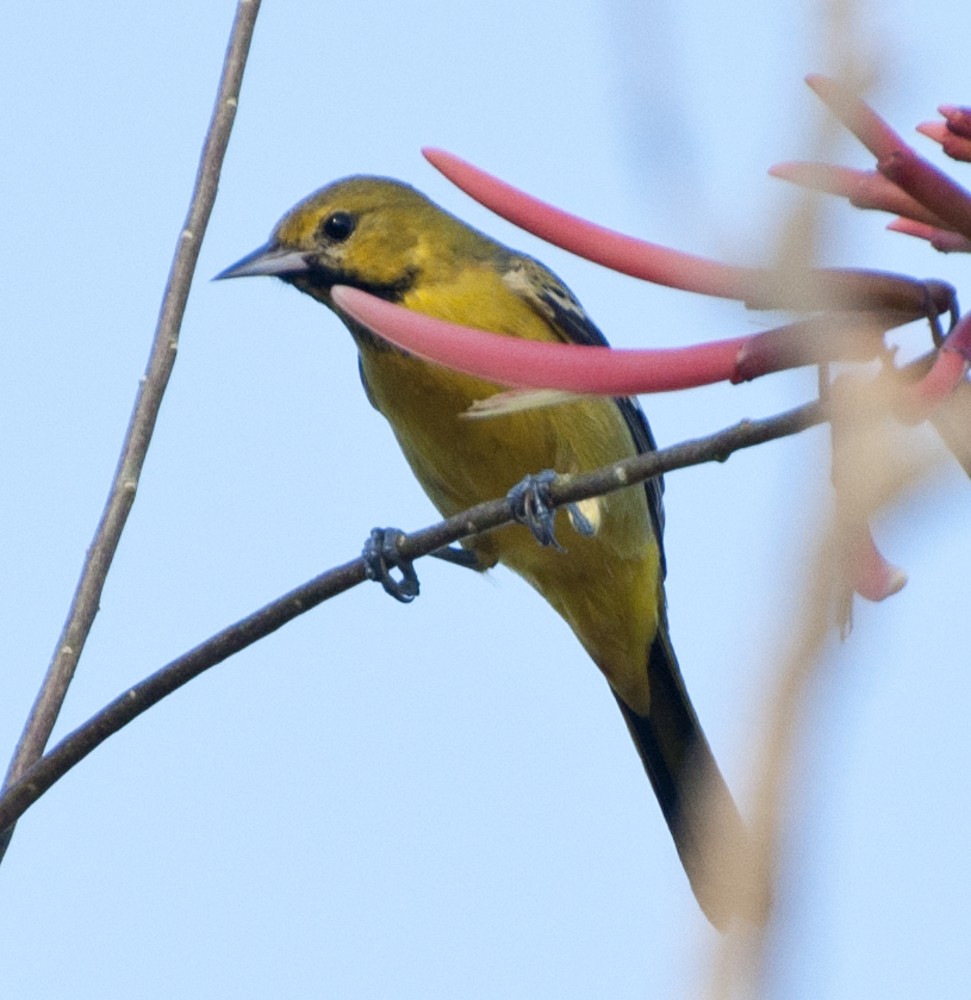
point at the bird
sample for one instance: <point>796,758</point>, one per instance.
<point>607,582</point>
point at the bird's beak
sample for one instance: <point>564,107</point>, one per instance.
<point>268,259</point>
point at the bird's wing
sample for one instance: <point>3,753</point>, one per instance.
<point>559,307</point>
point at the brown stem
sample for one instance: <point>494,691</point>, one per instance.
<point>40,775</point>
<point>87,596</point>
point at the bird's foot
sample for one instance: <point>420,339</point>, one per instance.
<point>532,507</point>
<point>381,556</point>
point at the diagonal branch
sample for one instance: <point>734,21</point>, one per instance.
<point>39,776</point>
<point>84,605</point>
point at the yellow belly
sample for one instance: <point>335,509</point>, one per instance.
<point>606,587</point>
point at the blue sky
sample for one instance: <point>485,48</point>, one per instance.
<point>440,800</point>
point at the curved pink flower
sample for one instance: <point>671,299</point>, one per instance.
<point>924,188</point>
<point>573,368</point>
<point>577,368</point>
<point>626,254</point>
<point>950,367</point>
<point>953,134</point>
<point>942,240</point>
<point>873,577</point>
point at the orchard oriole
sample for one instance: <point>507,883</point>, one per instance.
<point>386,238</point>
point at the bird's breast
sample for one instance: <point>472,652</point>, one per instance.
<point>606,587</point>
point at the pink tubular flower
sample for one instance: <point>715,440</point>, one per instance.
<point>759,288</point>
<point>873,577</point>
<point>625,254</point>
<point>862,188</point>
<point>577,368</point>
<point>953,134</point>
<point>923,193</point>
<point>949,368</point>
<point>854,301</point>
<point>574,368</point>
<point>942,240</point>
<point>869,573</point>
<point>851,310</point>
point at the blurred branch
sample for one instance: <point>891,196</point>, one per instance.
<point>87,596</point>
<point>951,415</point>
<point>952,420</point>
<point>873,470</point>
<point>39,776</point>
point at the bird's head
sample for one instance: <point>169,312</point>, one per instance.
<point>369,232</point>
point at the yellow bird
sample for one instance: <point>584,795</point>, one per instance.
<point>388,239</point>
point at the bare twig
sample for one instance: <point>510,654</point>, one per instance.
<point>84,605</point>
<point>874,469</point>
<point>39,776</point>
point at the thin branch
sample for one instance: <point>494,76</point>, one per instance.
<point>87,596</point>
<point>872,475</point>
<point>40,776</point>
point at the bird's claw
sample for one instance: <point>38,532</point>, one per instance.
<point>532,507</point>
<point>381,556</point>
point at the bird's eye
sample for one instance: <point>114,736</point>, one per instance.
<point>338,226</point>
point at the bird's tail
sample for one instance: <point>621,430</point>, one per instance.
<point>714,844</point>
